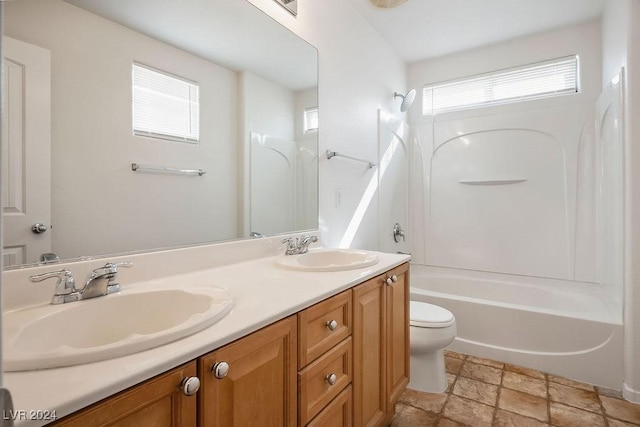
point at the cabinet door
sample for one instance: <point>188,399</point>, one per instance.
<point>397,343</point>
<point>369,357</point>
<point>260,386</point>
<point>158,402</point>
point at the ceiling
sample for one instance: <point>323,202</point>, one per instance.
<point>422,29</point>
<point>231,33</point>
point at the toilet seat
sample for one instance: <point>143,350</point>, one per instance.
<point>425,315</point>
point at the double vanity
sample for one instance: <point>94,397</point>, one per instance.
<point>236,334</point>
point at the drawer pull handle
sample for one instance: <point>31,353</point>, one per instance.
<point>220,370</point>
<point>190,386</point>
<point>331,378</point>
<point>332,325</point>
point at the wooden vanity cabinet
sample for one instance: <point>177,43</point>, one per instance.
<point>158,402</point>
<point>380,346</point>
<point>259,388</point>
<point>281,375</point>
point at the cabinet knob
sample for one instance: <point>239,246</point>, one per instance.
<point>190,386</point>
<point>391,280</point>
<point>332,325</point>
<point>331,378</point>
<point>220,370</point>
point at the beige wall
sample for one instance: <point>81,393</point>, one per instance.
<point>93,146</point>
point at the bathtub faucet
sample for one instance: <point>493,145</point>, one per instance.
<point>398,232</point>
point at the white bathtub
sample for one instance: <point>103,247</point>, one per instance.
<point>564,328</point>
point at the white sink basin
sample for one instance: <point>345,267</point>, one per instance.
<point>107,327</point>
<point>329,260</point>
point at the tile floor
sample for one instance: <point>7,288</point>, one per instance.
<point>484,392</point>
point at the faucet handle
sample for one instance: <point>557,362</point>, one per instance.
<point>111,268</point>
<point>292,245</point>
<point>115,265</point>
<point>65,286</point>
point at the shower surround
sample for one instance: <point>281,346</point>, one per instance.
<point>517,228</point>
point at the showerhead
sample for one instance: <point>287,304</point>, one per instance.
<point>386,4</point>
<point>407,99</point>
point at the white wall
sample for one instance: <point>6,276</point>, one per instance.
<point>358,74</point>
<point>621,29</point>
<point>614,39</point>
<point>93,148</point>
<point>621,48</point>
<point>632,307</point>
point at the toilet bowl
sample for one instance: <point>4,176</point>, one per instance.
<point>432,328</point>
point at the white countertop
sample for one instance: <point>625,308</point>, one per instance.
<point>264,293</point>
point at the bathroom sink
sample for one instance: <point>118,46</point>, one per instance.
<point>328,260</point>
<point>107,327</point>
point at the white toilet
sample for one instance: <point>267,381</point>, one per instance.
<point>432,328</point>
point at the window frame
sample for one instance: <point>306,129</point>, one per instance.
<point>428,89</point>
<point>194,117</point>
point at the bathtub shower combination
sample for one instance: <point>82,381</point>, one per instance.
<point>517,230</point>
<point>571,332</point>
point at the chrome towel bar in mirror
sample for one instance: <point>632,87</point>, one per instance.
<point>151,168</point>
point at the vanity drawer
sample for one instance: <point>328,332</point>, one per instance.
<point>322,326</point>
<point>338,413</point>
<point>314,381</point>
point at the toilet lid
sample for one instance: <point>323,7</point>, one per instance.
<point>427,315</point>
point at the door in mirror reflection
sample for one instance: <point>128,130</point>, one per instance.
<point>26,135</point>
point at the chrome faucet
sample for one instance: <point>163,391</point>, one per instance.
<point>101,281</point>
<point>297,246</point>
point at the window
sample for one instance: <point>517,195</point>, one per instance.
<point>164,106</point>
<point>311,120</point>
<point>543,79</point>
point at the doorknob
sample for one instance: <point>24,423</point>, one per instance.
<point>38,228</point>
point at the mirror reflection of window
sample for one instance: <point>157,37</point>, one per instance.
<point>165,106</point>
<point>311,120</point>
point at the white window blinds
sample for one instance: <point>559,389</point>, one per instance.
<point>543,79</point>
<point>164,106</point>
<point>311,119</point>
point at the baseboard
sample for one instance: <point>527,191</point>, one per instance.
<point>630,394</point>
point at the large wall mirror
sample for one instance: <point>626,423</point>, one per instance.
<point>242,87</point>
